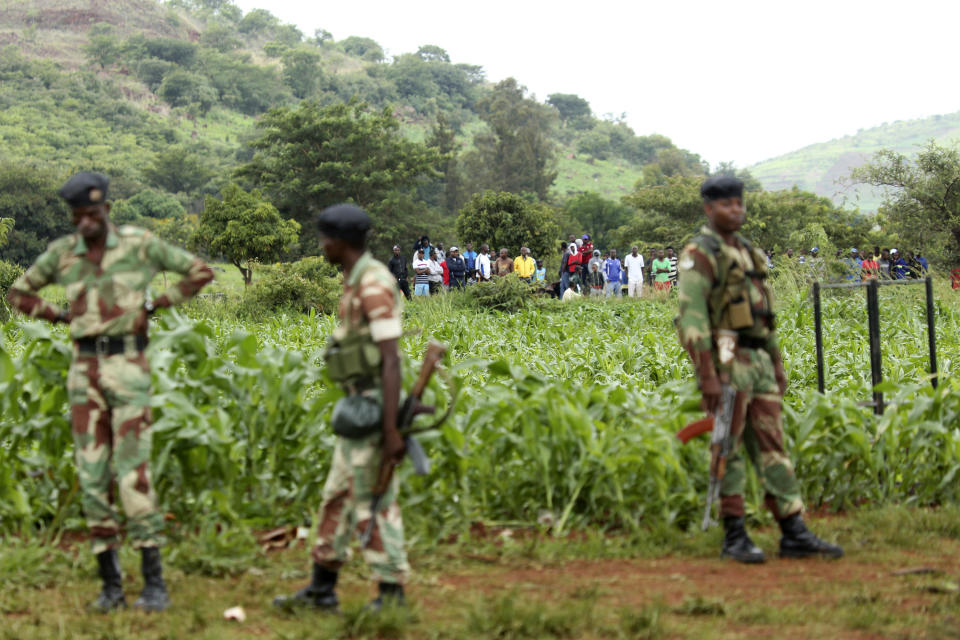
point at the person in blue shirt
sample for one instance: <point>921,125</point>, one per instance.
<point>457,268</point>
<point>854,264</point>
<point>470,259</point>
<point>540,275</point>
<point>924,266</point>
<point>898,266</point>
<point>612,270</point>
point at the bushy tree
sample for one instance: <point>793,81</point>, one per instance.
<point>922,201</point>
<point>301,71</point>
<point>365,48</point>
<point>103,49</point>
<point>516,152</point>
<point>594,214</point>
<point>511,221</point>
<point>147,204</point>
<point>569,105</point>
<point>258,21</point>
<point>28,196</point>
<point>184,88</point>
<point>243,227</point>
<point>179,169</point>
<point>181,52</point>
<point>309,157</point>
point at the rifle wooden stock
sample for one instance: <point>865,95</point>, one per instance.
<point>694,429</point>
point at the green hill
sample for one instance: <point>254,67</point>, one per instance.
<point>821,167</point>
<point>114,84</point>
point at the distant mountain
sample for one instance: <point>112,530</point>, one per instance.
<point>819,167</point>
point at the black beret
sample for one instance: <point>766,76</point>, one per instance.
<point>345,221</point>
<point>85,189</point>
<point>721,187</point>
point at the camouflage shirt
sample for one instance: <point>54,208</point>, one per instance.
<point>371,304</point>
<point>106,298</point>
<point>700,274</point>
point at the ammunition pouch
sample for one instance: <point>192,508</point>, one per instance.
<point>355,357</point>
<point>357,416</point>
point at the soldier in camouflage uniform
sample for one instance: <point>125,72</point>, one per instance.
<point>364,358</point>
<point>105,272</point>
<point>726,325</point>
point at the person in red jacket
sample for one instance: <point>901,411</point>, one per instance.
<point>446,276</point>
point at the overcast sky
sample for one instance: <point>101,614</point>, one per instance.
<point>737,80</point>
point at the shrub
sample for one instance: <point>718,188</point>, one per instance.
<point>311,283</point>
<point>504,294</point>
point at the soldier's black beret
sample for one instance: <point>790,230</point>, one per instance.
<point>346,221</point>
<point>721,187</point>
<point>85,189</point>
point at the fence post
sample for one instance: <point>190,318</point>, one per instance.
<point>931,334</point>
<point>876,361</point>
<point>818,332</point>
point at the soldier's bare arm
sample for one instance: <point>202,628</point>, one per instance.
<point>196,274</point>
<point>24,292</point>
<point>393,446</point>
<point>696,335</point>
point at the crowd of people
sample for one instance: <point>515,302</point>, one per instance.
<point>866,264</point>
<point>584,270</point>
<point>587,271</point>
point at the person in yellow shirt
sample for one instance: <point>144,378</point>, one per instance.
<point>524,266</point>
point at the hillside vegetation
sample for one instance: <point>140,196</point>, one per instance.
<point>823,167</point>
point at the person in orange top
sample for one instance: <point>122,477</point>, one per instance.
<point>870,268</point>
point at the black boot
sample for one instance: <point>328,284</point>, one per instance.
<point>154,595</point>
<point>111,596</point>
<point>737,544</point>
<point>319,594</point>
<point>391,595</point>
<point>799,542</point>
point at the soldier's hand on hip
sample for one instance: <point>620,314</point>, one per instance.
<point>710,388</point>
<point>140,324</point>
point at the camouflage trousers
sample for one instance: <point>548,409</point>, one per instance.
<point>346,509</point>
<point>110,407</point>
<point>758,428</point>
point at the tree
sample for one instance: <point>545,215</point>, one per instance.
<point>433,53</point>
<point>730,170</point>
<point>922,202</point>
<point>309,157</point>
<point>28,196</point>
<point>184,88</point>
<point>570,106</point>
<point>597,216</point>
<point>365,48</point>
<point>178,170</point>
<point>516,153</point>
<point>511,221</point>
<point>257,21</point>
<point>244,227</point>
<point>6,225</point>
<point>301,71</point>
<point>102,49</point>
<point>146,204</point>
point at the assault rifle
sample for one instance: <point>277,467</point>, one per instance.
<point>721,442</point>
<point>410,409</point>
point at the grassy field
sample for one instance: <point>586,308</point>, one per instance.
<point>566,415</point>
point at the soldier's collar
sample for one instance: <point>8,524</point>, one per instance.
<point>111,242</point>
<point>358,268</point>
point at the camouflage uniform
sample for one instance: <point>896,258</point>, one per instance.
<point>110,394</point>
<point>713,275</point>
<point>370,307</point>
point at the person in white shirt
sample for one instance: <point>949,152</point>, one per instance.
<point>483,264</point>
<point>436,273</point>
<point>421,267</point>
<point>633,263</point>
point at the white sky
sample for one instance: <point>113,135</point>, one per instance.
<point>738,80</point>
